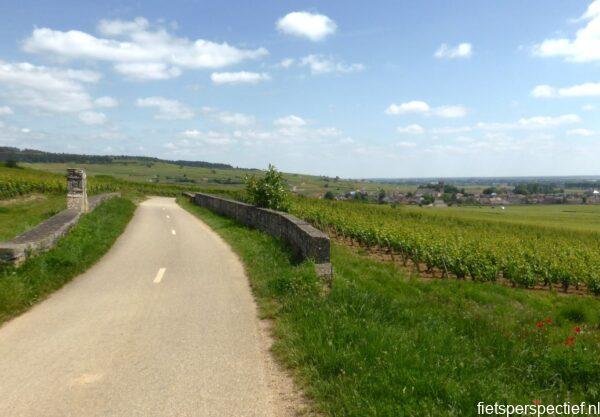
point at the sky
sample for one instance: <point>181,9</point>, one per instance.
<point>350,88</point>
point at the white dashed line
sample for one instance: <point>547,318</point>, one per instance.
<point>173,232</point>
<point>159,275</point>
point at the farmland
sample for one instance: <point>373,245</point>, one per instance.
<point>534,250</point>
<point>228,178</point>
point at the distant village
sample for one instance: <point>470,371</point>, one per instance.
<point>443,195</point>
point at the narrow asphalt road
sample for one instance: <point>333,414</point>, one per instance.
<point>163,325</point>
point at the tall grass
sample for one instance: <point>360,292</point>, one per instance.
<point>383,344</point>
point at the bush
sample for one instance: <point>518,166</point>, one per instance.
<point>270,191</point>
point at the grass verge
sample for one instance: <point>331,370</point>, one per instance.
<point>23,213</point>
<point>83,246</point>
<point>382,344</point>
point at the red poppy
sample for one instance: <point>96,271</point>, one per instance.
<point>549,320</point>
<point>577,329</point>
<point>570,340</point>
<point>539,324</point>
<point>537,402</point>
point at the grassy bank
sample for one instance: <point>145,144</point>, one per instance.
<point>85,244</point>
<point>382,344</point>
<point>21,214</point>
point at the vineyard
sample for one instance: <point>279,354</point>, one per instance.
<point>16,182</point>
<point>482,250</point>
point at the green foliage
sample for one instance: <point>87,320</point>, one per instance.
<point>269,191</point>
<point>382,345</point>
<point>329,195</point>
<point>526,255</point>
<point>84,245</point>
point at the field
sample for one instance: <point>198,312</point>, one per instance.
<point>532,248</point>
<point>229,179</point>
<point>383,344</point>
<point>21,214</point>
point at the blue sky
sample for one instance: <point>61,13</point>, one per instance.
<point>349,88</point>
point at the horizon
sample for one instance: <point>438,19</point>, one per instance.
<point>380,91</point>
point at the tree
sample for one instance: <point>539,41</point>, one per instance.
<point>11,163</point>
<point>329,195</point>
<point>381,196</point>
<point>270,191</point>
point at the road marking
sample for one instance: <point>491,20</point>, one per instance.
<point>159,275</point>
<point>173,231</point>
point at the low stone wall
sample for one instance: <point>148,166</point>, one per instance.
<point>46,234</point>
<point>306,241</point>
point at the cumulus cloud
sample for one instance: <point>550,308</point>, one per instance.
<point>290,121</point>
<point>92,118</point>
<point>308,25</point>
<point>137,51</point>
<point>286,63</point>
<point>167,109</point>
<point>48,89</point>
<point>106,102</point>
<point>412,129</point>
<point>5,111</point>
<point>462,50</point>
<point>240,77</point>
<point>421,107</point>
<point>580,90</point>
<point>584,46</point>
<point>580,132</point>
<point>549,121</point>
<point>320,64</point>
<point>236,119</point>
<point>414,106</point>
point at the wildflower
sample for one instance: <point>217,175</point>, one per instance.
<point>539,324</point>
<point>570,340</point>
<point>549,320</point>
<point>577,329</point>
<point>537,402</point>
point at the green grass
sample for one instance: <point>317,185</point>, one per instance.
<point>382,344</point>
<point>91,238</point>
<point>228,179</point>
<point>21,214</point>
<point>572,217</point>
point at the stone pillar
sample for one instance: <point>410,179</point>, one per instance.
<point>77,190</point>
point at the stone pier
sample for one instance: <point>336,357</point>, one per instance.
<point>77,190</point>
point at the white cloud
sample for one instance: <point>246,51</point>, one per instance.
<point>450,112</point>
<point>106,102</point>
<point>286,63</point>
<point>308,25</point>
<point>549,121</point>
<point>320,64</point>
<point>138,52</point>
<point>167,109</point>
<point>580,132</point>
<point>462,50</point>
<point>240,77</point>
<point>580,90</point>
<point>420,107</point>
<point>5,111</point>
<point>414,106</point>
<point>49,89</point>
<point>584,47</point>
<point>236,119</point>
<point>406,144</point>
<point>92,118</point>
<point>412,129</point>
<point>145,71</point>
<point>290,121</point>
<point>191,133</point>
<point>588,107</point>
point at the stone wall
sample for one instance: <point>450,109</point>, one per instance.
<point>306,241</point>
<point>46,234</point>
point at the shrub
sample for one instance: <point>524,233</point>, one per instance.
<point>270,191</point>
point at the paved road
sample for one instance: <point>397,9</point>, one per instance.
<point>163,325</point>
